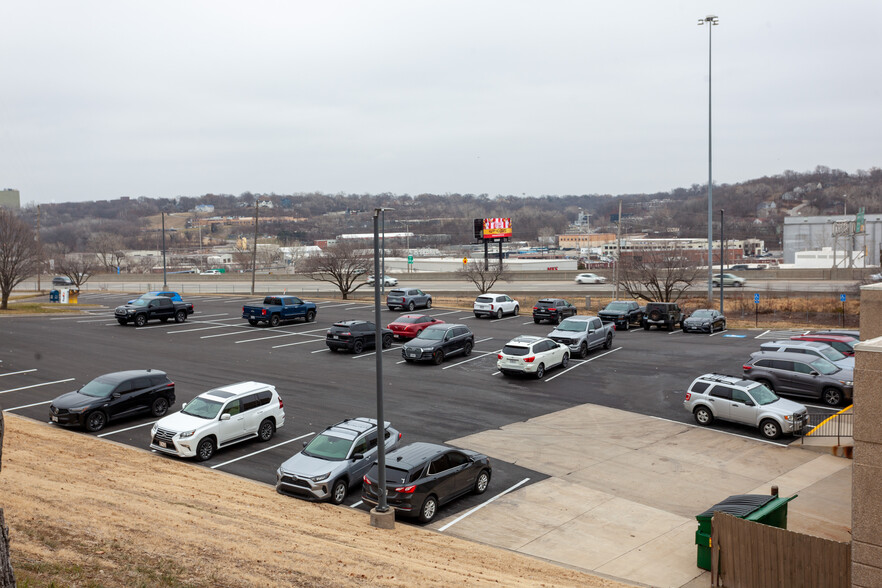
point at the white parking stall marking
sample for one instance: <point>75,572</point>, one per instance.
<point>693,426</point>
<point>37,385</point>
<point>227,334</point>
<point>718,332</point>
<point>127,429</point>
<point>761,334</point>
<point>584,361</point>
<point>26,405</point>
<point>242,300</point>
<point>482,505</point>
<point>393,348</point>
<point>482,356</point>
<point>514,316</point>
<point>217,324</point>
<point>262,450</point>
<point>21,372</point>
<point>318,339</point>
<point>320,350</point>
<point>528,323</point>
<point>465,318</point>
<point>443,313</point>
<point>72,318</point>
<point>286,334</point>
<point>482,340</point>
<point>675,332</point>
<point>177,326</point>
<point>336,305</point>
<point>357,504</point>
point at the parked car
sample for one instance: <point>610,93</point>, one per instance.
<point>112,397</point>
<point>841,343</point>
<point>408,298</point>
<point>727,280</point>
<point>844,332</point>
<point>816,348</point>
<point>729,398</point>
<point>704,320</point>
<point>582,333</point>
<point>437,343</point>
<point>552,310</point>
<point>387,281</point>
<point>421,477</point>
<point>356,336</point>
<point>334,461</point>
<point>408,326</point>
<point>801,375</point>
<point>661,314</point>
<point>491,304</point>
<point>526,354</point>
<point>219,418</point>
<point>147,308</point>
<point>173,295</point>
<point>62,281</point>
<point>590,278</point>
<point>622,313</point>
<point>277,308</point>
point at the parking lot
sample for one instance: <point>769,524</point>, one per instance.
<point>645,372</point>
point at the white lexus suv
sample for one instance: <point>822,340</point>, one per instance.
<point>495,305</point>
<point>219,418</point>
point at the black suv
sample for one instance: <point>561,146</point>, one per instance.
<point>420,477</point>
<point>662,314</point>
<point>355,336</point>
<point>114,396</point>
<point>553,310</point>
<point>622,313</point>
<point>437,342</point>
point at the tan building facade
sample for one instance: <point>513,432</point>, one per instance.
<point>10,198</point>
<point>580,240</point>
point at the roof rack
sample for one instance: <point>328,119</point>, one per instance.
<point>715,377</point>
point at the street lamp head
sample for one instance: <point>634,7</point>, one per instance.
<point>377,211</point>
<point>710,18</point>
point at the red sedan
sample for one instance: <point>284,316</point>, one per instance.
<point>840,343</point>
<point>408,326</point>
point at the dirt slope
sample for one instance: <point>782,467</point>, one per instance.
<point>88,512</point>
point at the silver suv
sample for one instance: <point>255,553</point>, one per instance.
<point>334,461</point>
<point>798,374</point>
<point>728,398</point>
<point>814,348</point>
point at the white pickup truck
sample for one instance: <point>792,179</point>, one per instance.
<point>583,333</point>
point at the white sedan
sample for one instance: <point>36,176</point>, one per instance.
<point>590,279</point>
<point>387,281</point>
<point>531,355</point>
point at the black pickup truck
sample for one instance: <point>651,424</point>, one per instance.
<point>622,313</point>
<point>152,307</point>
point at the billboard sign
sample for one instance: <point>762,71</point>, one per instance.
<point>493,228</point>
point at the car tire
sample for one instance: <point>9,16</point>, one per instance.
<point>770,429</point>
<point>181,316</point>
<point>140,320</point>
<point>715,284</point>
<point>357,346</point>
<point>645,326</point>
<point>655,315</point>
<point>428,304</point>
<point>266,430</point>
<point>499,313</point>
<point>339,490</point>
<point>95,421</point>
<point>387,341</point>
<point>438,357</point>
<point>310,316</point>
<point>540,371</point>
<point>159,407</point>
<point>477,315</point>
<point>832,396</point>
<point>121,321</point>
<point>722,326</point>
<point>205,449</point>
<point>608,343</point>
<point>467,348</point>
<point>274,320</point>
<point>482,482</point>
<point>556,320</point>
<point>428,510</point>
<point>583,350</point>
<point>536,320</point>
<point>411,306</point>
<point>333,349</point>
<point>565,360</point>
<point>703,416</point>
<point>517,310</point>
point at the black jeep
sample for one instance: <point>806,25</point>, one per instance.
<point>661,314</point>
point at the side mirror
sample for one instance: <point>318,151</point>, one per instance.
<point>748,402</point>
<point>305,443</point>
<point>357,456</point>
<point>183,406</point>
<point>814,373</point>
<point>116,395</point>
<point>225,416</point>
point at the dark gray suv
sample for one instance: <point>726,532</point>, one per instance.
<point>438,342</point>
<point>798,374</point>
<point>662,314</point>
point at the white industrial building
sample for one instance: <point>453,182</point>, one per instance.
<point>815,233</point>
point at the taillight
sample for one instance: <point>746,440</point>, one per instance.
<point>281,404</point>
<point>747,367</point>
<point>243,309</point>
<point>535,308</point>
<point>530,359</point>
<point>491,307</point>
<point>614,326</point>
<point>399,435</point>
<point>498,356</point>
<point>263,311</point>
<point>688,395</point>
<point>365,480</point>
<point>406,489</point>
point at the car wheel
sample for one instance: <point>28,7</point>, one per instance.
<point>418,333</point>
<point>205,449</point>
<point>180,316</point>
<point>832,396</point>
<point>536,320</point>
<point>703,416</point>
<point>428,303</point>
<point>387,341</point>
<point>140,320</point>
<point>358,346</point>
<point>310,316</point>
<point>739,284</point>
<point>274,320</point>
<point>477,315</point>
<point>482,482</point>
<point>121,321</point>
<point>583,350</point>
<point>438,357</point>
<point>517,310</point>
<point>428,509</point>
<point>266,430</point>
<point>339,491</point>
<point>499,313</point>
<point>467,348</point>
<point>715,284</point>
<point>723,326</point>
<point>556,320</point>
<point>159,406</point>
<point>95,421</point>
<point>411,306</point>
<point>540,371</point>
<point>608,343</point>
<point>770,429</point>
<point>565,360</point>
<point>333,349</point>
<point>252,322</point>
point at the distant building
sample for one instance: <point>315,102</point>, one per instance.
<point>10,198</point>
<point>582,240</point>
<point>204,208</point>
<point>814,233</point>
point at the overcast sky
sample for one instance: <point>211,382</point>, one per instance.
<point>102,99</point>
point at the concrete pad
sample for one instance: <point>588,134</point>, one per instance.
<point>823,509</point>
<point>806,474</point>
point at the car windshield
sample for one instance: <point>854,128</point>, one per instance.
<point>763,395</point>
<point>140,302</point>
<point>832,354</point>
<point>617,306</point>
<point>571,325</point>
<point>202,408</point>
<point>329,447</point>
<point>703,314</point>
<point>824,367</point>
<point>98,388</point>
<point>407,320</point>
<point>515,350</point>
<point>432,334</point>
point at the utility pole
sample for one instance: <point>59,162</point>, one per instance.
<point>618,250</point>
<point>711,22</point>
<point>254,250</point>
<point>39,248</point>
<point>722,260</point>
<point>164,277</point>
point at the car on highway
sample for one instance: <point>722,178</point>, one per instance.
<point>552,310</point>
<point>211,272</point>
<point>408,326</point>
<point>387,281</point>
<point>816,348</point>
<point>704,320</point>
<point>168,294</point>
<point>495,305</point>
<point>798,374</point>
<point>728,280</point>
<point>61,281</point>
<point>738,400</point>
<point>437,343</point>
<point>589,278</point>
<point>113,397</point>
<point>355,336</point>
<point>421,477</point>
<point>527,354</point>
<point>582,333</point>
<point>219,418</point>
<point>335,460</point>
<point>408,299</point>
<point>841,343</point>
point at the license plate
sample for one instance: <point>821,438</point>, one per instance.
<point>513,361</point>
<point>335,336</point>
<point>411,353</point>
<point>55,419</point>
<point>163,444</point>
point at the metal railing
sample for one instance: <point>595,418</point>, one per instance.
<point>839,425</point>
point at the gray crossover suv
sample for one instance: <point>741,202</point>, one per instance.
<point>798,374</point>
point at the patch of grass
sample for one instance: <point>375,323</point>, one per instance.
<point>25,308</point>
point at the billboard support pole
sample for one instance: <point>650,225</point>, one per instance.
<point>486,257</point>
<point>500,253</point>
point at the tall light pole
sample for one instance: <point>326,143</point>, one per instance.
<point>711,22</point>
<point>164,278</point>
<point>722,260</point>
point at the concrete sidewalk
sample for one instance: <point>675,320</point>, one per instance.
<point>624,490</point>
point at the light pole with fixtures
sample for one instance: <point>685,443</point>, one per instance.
<point>711,22</point>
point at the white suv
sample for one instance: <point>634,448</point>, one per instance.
<point>491,304</point>
<point>531,355</point>
<point>219,418</point>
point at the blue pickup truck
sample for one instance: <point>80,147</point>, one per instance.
<point>278,308</point>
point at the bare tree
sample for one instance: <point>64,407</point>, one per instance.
<point>79,268</point>
<point>483,279</point>
<point>269,257</point>
<point>20,254</point>
<point>106,246</point>
<point>341,264</point>
<point>657,275</point>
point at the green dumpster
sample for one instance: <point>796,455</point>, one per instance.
<point>760,508</point>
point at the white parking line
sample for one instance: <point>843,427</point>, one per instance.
<point>359,503</point>
<point>482,505</point>
<point>393,348</point>
<point>482,356</point>
<point>302,343</point>
<point>677,331</point>
<point>262,450</point>
<point>336,305</point>
<point>278,336</point>
<point>26,405</point>
<point>227,334</point>
<point>514,316</point>
<point>584,361</point>
<point>215,326</point>
<point>718,332</point>
<point>761,334</point>
<point>37,385</point>
<point>21,372</point>
<point>443,313</point>
<point>127,429</point>
<point>482,340</point>
<point>320,350</point>
<point>719,431</point>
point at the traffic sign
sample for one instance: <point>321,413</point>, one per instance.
<point>410,259</point>
<point>756,298</point>
<point>465,260</point>
<point>842,298</point>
